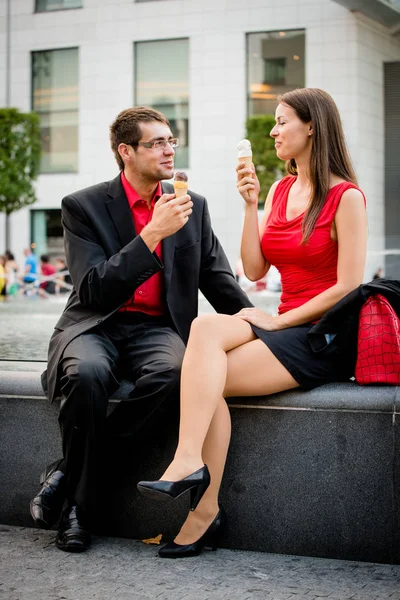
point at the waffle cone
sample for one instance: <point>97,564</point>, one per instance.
<point>180,188</point>
<point>247,160</point>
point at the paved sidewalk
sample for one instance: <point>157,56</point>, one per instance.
<point>32,568</point>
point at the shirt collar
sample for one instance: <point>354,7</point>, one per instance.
<point>132,194</point>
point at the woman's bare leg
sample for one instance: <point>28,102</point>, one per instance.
<point>252,369</point>
<point>203,379</point>
<point>214,456</point>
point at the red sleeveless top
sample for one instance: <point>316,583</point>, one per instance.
<point>306,269</point>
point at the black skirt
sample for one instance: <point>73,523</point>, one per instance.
<point>309,368</point>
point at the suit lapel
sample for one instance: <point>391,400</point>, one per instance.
<point>120,212</point>
<point>168,245</point>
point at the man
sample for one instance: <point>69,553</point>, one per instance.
<point>137,256</point>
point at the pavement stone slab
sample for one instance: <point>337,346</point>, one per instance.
<point>32,568</point>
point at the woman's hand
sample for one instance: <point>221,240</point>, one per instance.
<point>248,184</point>
<point>258,317</point>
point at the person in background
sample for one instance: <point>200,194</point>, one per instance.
<point>12,269</point>
<point>3,279</point>
<point>47,286</point>
<point>30,267</point>
<point>314,230</point>
<point>62,276</point>
<point>378,274</point>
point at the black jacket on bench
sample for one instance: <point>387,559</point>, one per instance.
<point>342,319</point>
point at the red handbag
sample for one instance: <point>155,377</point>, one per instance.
<point>378,349</point>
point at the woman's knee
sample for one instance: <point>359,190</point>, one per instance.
<point>208,326</point>
<point>219,330</point>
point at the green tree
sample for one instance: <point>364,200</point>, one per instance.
<point>268,166</point>
<point>20,149</point>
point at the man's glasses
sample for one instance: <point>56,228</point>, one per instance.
<point>158,144</point>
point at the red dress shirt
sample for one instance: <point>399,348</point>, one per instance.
<point>149,297</point>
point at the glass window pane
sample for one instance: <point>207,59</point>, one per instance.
<point>275,65</point>
<point>47,233</point>
<point>162,82</point>
<point>45,5</point>
<point>56,99</point>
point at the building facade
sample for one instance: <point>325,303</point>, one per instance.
<point>207,65</point>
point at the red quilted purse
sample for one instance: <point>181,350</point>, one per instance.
<point>378,350</point>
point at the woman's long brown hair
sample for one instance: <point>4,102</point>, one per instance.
<point>329,153</point>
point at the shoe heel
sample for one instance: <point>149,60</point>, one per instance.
<point>216,540</point>
<point>216,537</point>
<point>196,494</point>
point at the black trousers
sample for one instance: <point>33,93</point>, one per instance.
<point>150,354</point>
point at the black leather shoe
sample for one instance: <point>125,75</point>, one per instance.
<point>197,483</point>
<point>46,506</point>
<point>73,534</point>
<point>209,539</point>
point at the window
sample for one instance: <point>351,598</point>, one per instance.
<point>47,233</point>
<point>162,82</point>
<point>274,70</point>
<point>275,65</point>
<point>45,5</point>
<point>55,95</point>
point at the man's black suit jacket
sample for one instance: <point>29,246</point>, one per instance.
<point>108,261</point>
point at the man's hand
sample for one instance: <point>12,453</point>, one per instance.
<point>170,214</point>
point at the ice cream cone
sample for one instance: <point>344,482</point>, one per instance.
<point>247,160</point>
<point>180,188</point>
<point>245,155</point>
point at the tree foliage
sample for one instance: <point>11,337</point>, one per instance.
<point>268,166</point>
<point>20,149</point>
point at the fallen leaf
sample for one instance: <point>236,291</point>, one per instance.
<point>154,540</point>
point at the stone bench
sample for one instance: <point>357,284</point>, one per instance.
<point>309,473</point>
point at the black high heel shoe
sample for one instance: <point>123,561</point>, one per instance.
<point>197,483</point>
<point>209,539</point>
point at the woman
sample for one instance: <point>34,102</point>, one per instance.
<point>314,231</point>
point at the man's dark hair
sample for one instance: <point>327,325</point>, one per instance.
<point>44,258</point>
<point>126,130</point>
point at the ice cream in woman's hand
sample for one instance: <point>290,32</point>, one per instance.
<point>245,154</point>
<point>180,183</point>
